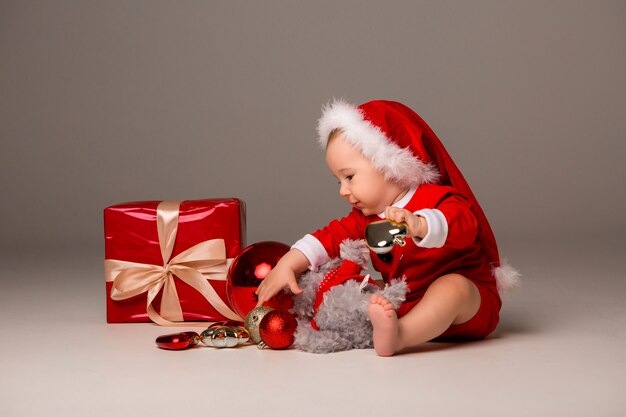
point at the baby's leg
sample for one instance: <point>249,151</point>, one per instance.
<point>451,299</point>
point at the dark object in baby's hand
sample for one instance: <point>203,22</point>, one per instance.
<point>383,235</point>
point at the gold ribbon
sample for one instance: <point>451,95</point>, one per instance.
<point>193,266</point>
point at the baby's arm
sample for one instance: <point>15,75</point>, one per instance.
<point>451,223</point>
<point>311,251</point>
<point>283,276</point>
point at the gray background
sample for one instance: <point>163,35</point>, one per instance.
<point>112,101</point>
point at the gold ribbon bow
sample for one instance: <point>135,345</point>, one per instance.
<point>191,266</point>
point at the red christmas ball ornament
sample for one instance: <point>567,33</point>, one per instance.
<point>277,329</point>
<point>247,272</point>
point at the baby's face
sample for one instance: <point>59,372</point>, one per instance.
<point>360,183</point>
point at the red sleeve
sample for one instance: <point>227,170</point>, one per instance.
<point>350,227</point>
<point>457,210</point>
<point>462,225</point>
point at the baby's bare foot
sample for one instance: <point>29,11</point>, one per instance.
<point>385,323</point>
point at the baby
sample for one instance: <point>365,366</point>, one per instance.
<point>390,165</point>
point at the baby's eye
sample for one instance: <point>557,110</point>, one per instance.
<point>349,177</point>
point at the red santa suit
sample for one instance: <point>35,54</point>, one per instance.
<point>451,246</point>
<point>402,146</point>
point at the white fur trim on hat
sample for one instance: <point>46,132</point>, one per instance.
<point>397,164</point>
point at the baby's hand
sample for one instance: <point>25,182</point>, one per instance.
<point>417,225</point>
<point>276,281</point>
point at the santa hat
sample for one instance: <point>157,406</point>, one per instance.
<point>405,149</point>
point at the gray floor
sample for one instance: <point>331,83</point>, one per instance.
<point>558,352</point>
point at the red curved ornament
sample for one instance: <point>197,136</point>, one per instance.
<point>178,341</point>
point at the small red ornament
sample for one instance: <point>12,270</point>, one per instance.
<point>247,272</point>
<point>178,341</point>
<point>277,329</point>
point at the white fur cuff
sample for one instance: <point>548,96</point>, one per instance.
<point>313,250</point>
<point>437,229</point>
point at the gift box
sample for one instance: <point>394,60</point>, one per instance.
<point>167,262</point>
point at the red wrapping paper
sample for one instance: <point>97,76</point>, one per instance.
<point>131,235</point>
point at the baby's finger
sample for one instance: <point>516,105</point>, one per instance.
<point>263,294</point>
<point>395,214</point>
<point>295,289</point>
<point>390,213</point>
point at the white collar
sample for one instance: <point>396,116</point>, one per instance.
<point>402,202</point>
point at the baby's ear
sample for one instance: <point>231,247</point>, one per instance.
<point>355,251</point>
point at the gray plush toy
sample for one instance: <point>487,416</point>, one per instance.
<point>342,316</point>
